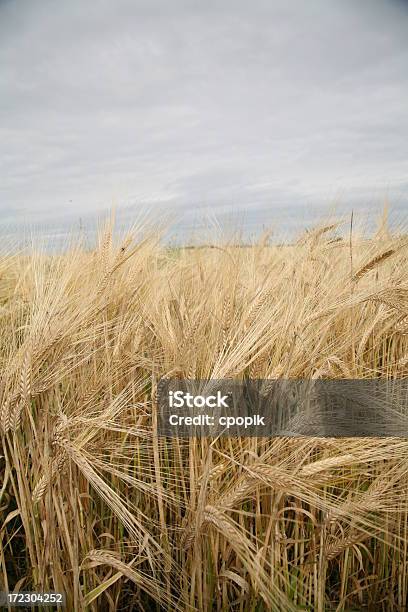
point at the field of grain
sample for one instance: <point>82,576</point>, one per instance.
<point>95,504</point>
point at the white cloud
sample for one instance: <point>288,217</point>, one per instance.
<point>184,102</point>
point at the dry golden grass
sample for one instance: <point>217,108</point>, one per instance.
<point>95,504</point>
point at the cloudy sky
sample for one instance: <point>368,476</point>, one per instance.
<point>258,105</point>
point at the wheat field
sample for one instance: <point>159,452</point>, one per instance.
<point>93,503</point>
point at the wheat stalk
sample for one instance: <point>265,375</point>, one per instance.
<point>373,263</point>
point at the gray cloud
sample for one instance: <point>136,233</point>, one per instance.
<point>210,104</point>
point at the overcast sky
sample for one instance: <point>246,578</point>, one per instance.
<point>252,104</point>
